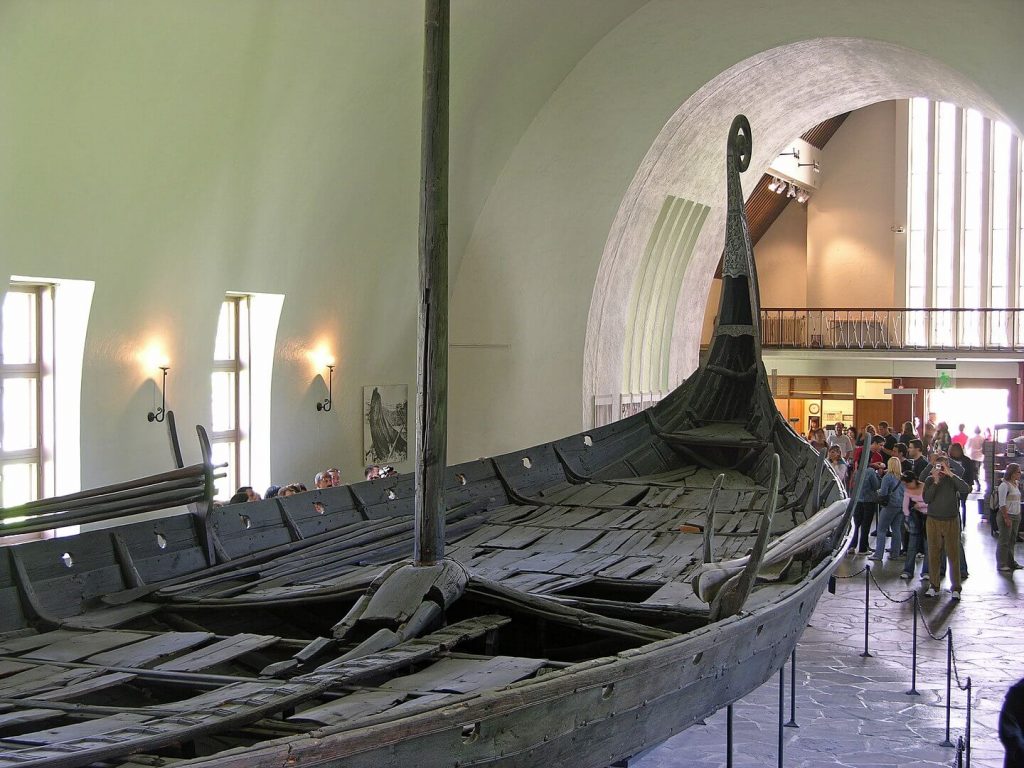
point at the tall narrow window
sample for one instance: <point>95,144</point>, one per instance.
<point>999,255</point>
<point>944,284</point>
<point>918,267</point>
<point>230,403</point>
<point>26,392</point>
<point>972,261</point>
<point>965,230</point>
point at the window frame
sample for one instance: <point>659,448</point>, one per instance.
<point>42,372</point>
<point>238,365</point>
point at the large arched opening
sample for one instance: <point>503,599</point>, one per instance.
<point>644,325</point>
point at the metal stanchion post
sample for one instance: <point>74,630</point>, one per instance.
<point>913,658</point>
<point>960,752</point>
<point>949,680</point>
<point>792,691</point>
<point>867,607</point>
<point>967,728</point>
<point>782,706</point>
<point>728,736</point>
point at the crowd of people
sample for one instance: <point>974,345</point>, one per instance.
<point>329,478</point>
<point>912,489</point>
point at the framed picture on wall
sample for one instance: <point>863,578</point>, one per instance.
<point>385,423</point>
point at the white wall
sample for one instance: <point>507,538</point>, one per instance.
<point>170,152</point>
<point>850,242</point>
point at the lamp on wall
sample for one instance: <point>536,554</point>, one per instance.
<point>325,404</point>
<point>161,413</point>
<point>813,165</point>
<point>793,151</point>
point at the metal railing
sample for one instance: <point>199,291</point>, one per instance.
<point>996,330</point>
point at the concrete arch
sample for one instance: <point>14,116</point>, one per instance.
<point>783,91</point>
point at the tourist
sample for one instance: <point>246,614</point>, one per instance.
<point>942,439</point>
<point>900,451</point>
<point>888,437</point>
<point>915,452</point>
<point>960,438</point>
<point>372,472</point>
<point>322,480</point>
<point>876,460</point>
<point>1009,518</point>
<point>890,513</point>
<point>248,492</point>
<point>838,464</point>
<point>334,476</point>
<point>1011,726</point>
<point>975,450</point>
<point>914,511</point>
<point>842,440</point>
<point>908,433</point>
<point>941,493</point>
<point>867,503</point>
<point>928,435</point>
<point>290,490</point>
<point>272,491</point>
<point>956,453</point>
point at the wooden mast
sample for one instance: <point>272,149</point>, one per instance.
<point>432,342</point>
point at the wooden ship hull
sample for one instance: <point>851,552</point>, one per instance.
<point>598,594</point>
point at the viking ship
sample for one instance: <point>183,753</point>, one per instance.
<point>598,594</point>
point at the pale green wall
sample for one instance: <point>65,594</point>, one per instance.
<point>170,151</point>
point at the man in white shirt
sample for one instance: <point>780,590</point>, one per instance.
<point>843,441</point>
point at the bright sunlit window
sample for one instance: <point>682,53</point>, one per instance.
<point>26,394</point>
<point>965,228</point>
<point>231,401</point>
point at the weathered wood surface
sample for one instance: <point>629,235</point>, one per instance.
<point>432,337</point>
<point>585,547</point>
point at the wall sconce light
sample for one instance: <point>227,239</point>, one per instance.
<point>814,165</point>
<point>160,413</point>
<point>325,404</point>
<point>794,152</point>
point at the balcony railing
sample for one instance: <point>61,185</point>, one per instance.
<point>996,330</point>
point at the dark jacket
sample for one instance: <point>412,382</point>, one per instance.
<point>943,497</point>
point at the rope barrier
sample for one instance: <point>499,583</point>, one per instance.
<point>952,665</point>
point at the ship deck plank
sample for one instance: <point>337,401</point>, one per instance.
<point>150,649</point>
<point>218,653</point>
<point>83,644</point>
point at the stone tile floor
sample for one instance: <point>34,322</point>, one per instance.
<point>854,711</point>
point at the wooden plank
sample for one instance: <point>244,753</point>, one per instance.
<point>516,538</point>
<point>102,618</point>
<point>568,540</point>
<point>466,675</point>
<point>84,644</point>
<point>359,704</point>
<point>80,730</point>
<point>10,667</point>
<point>85,687</point>
<point>17,717</point>
<point>42,678</point>
<point>17,645</point>
<point>150,649</point>
<point>218,653</point>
